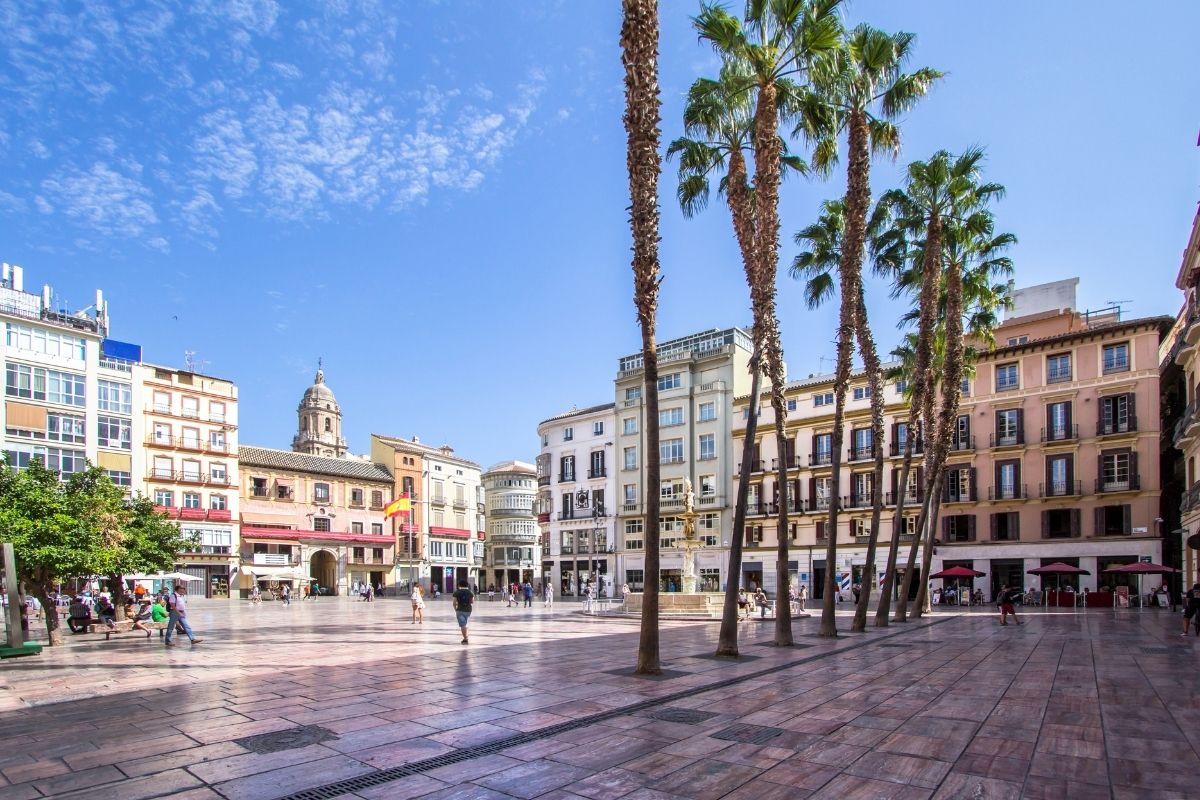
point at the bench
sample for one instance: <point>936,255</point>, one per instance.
<point>126,626</point>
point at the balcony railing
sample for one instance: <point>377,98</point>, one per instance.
<point>320,498</point>
<point>792,464</point>
<point>1191,499</point>
<point>909,497</point>
<point>1008,492</point>
<point>820,459</point>
<point>460,504</point>
<point>271,559</point>
<point>1065,433</point>
<point>1131,484</point>
<point>543,480</point>
<point>897,448</point>
<point>630,508</point>
<point>860,453</point>
<point>600,472</point>
<point>260,491</point>
<point>1006,440</point>
<point>566,477</point>
<point>1060,489</point>
<point>859,500</point>
<point>961,443</point>
<point>1128,425</point>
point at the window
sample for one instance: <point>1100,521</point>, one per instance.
<point>863,488</point>
<point>1058,419</point>
<point>1006,377</point>
<point>216,441</point>
<point>960,485</point>
<point>901,386</point>
<point>633,393</point>
<point>35,383</point>
<point>435,549</point>
<point>959,528</point>
<point>545,439</point>
<point>596,468</point>
<point>823,399</point>
<point>636,579</point>
<point>862,443</point>
<point>822,449</point>
<point>321,493</point>
<point>668,381</point>
<point>1116,472</point>
<point>670,451</point>
<point>1008,427</point>
<point>630,458</point>
<point>162,402</point>
<point>822,492</point>
<point>566,469</point>
<point>670,489</point>
<point>356,497</point>
<point>1116,414</point>
<point>460,550</point>
<point>862,392</point>
<point>321,524</point>
<point>670,416</point>
<point>708,485</point>
<point>861,527</point>
<point>376,498</point>
<point>1006,526</point>
<point>630,492</point>
<point>908,526</point>
<point>1058,368</point>
<point>258,486</point>
<point>708,446</point>
<point>630,426</point>
<point>164,498</point>
<point>377,528</point>
<point>191,500</point>
<point>216,411</point>
<point>1016,340</point>
<point>791,404</point>
<point>1060,523</point>
<point>217,474</point>
<point>901,438</point>
<point>1058,475</point>
<point>708,528</point>
<point>114,432</point>
<point>356,527</point>
<point>189,407</point>
<point>51,343</point>
<point>1116,357</point>
<point>282,492</point>
<point>66,428</point>
<point>1114,520</point>
<point>114,396</point>
<point>119,477</point>
<point>190,471</point>
<point>217,502</point>
<point>597,429</point>
<point>965,388</point>
<point>568,434</point>
<point>1006,480</point>
<point>568,542</point>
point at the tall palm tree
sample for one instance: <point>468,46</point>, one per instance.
<point>776,40</point>
<point>860,89</point>
<point>639,54</point>
<point>942,210</point>
<point>821,253</point>
<point>718,125</point>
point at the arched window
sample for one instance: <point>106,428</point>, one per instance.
<point>328,425</point>
<point>304,424</point>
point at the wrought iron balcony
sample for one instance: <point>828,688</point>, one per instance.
<point>1008,492</point>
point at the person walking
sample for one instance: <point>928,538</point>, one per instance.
<point>548,594</point>
<point>802,596</point>
<point>624,590</point>
<point>761,600</point>
<point>286,591</point>
<point>528,591</point>
<point>743,605</point>
<point>177,616</point>
<point>1008,599</point>
<point>1191,608</point>
<point>463,599</point>
<point>418,605</point>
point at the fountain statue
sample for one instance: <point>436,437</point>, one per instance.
<point>690,542</point>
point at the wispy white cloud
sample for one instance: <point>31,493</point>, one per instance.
<point>103,200</point>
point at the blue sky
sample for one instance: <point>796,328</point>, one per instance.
<point>431,195</point>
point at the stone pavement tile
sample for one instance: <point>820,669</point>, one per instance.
<point>293,712</point>
<point>960,786</point>
<point>976,711</point>
<point>208,734</point>
<point>534,702</point>
<point>239,766</point>
<point>802,774</point>
<point>179,758</point>
<point>656,765</point>
<point>459,718</point>
<point>1138,793</point>
<point>533,778</point>
<point>292,778</point>
<point>200,793</point>
<point>411,712</point>
<point>1163,751</point>
<point>605,753</point>
<point>761,789</point>
<point>24,791</point>
<point>467,791</point>
<point>999,767</point>
<point>832,754</point>
<point>949,728</point>
<point>654,794</point>
<point>528,721</point>
<point>119,751</point>
<point>472,735</point>
<point>858,735</point>
<point>1151,775</point>
<point>696,746</point>
<point>465,771</point>
<point>405,752</point>
<point>1009,748</point>
<point>662,730</point>
<point>851,787</point>
<point>561,794</point>
<point>406,788</point>
<point>941,749</point>
<point>806,724</point>
<point>753,755</point>
<point>1038,787</point>
<point>922,772</point>
<point>343,726</point>
<point>319,712</point>
<point>32,771</point>
<point>609,784</point>
<point>162,784</point>
<point>1001,730</point>
<point>1071,768</point>
<point>363,738</point>
<point>531,751</point>
<point>706,779</point>
<point>1070,747</point>
<point>877,723</point>
<point>78,779</point>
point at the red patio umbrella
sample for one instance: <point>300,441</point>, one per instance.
<point>956,573</point>
<point>1141,568</point>
<point>1058,568</point>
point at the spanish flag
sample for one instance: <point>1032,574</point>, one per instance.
<point>401,505</point>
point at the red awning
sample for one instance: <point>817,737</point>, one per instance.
<point>324,536</point>
<point>462,533</point>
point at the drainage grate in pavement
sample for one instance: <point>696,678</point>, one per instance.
<point>1175,650</point>
<point>383,776</point>
<point>290,739</point>
<point>688,716</point>
<point>747,734</point>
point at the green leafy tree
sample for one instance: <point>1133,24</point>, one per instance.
<point>860,89</point>
<point>775,44</point>
<point>148,542</point>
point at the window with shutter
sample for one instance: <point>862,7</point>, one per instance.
<point>820,529</point>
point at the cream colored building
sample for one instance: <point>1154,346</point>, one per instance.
<point>187,429</point>
<point>1185,435</point>
<point>512,553</point>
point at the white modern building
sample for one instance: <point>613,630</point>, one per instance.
<point>698,377</point>
<point>576,477</point>
<point>512,550</point>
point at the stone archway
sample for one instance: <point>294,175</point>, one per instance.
<point>322,566</point>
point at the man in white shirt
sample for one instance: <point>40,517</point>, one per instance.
<point>177,615</point>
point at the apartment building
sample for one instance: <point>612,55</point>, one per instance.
<point>699,375</point>
<point>1181,373</point>
<point>577,489</point>
<point>406,459</point>
<point>512,551</point>
<point>447,529</point>
<point>1051,459</point>
<point>186,431</point>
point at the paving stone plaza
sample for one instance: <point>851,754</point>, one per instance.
<point>338,698</point>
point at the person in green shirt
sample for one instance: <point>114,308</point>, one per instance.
<point>158,612</point>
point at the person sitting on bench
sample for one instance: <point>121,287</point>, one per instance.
<point>142,616</point>
<point>106,611</point>
<point>79,617</point>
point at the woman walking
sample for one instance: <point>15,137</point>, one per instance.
<point>418,605</point>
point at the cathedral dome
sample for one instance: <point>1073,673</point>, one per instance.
<point>319,394</point>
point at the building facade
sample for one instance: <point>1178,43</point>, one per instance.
<point>1050,461</point>
<point>410,529</point>
<point>576,480</point>
<point>512,551</point>
<point>699,376</point>
<point>447,527</point>
<point>187,428</point>
<point>1182,372</point>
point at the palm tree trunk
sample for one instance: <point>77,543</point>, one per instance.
<point>889,575</point>
<point>727,641</point>
<point>858,198</point>
<point>866,345</point>
<point>639,46</point>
